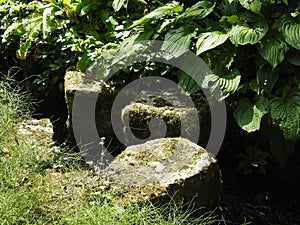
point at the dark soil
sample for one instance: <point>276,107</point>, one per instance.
<point>260,200</point>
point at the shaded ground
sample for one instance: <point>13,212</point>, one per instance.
<point>261,201</point>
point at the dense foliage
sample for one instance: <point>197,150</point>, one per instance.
<point>252,47</point>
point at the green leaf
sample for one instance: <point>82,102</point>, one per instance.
<point>285,113</point>
<point>83,63</point>
<point>242,34</point>
<point>187,83</point>
<point>85,10</point>
<point>160,12</point>
<point>46,22</point>
<point>222,85</point>
<point>266,77</point>
<point>229,7</point>
<point>118,4</point>
<point>33,29</point>
<point>290,28</point>
<point>210,40</point>
<point>23,51</point>
<point>177,42</point>
<point>252,5</point>
<point>281,148</point>
<point>66,2</point>
<point>261,161</point>
<point>248,115</point>
<point>273,50</point>
<point>198,11</point>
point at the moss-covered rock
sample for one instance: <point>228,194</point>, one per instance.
<point>149,106</point>
<point>164,168</point>
<point>168,108</point>
<point>87,89</point>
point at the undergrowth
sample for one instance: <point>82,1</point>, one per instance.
<point>42,184</point>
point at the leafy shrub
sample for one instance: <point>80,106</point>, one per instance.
<point>58,34</point>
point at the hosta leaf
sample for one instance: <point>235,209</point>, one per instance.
<point>159,12</point>
<point>187,83</point>
<point>281,149</point>
<point>291,125</point>
<point>198,11</point>
<point>229,7</point>
<point>242,34</point>
<point>210,40</point>
<point>248,115</point>
<point>252,5</point>
<point>221,86</point>
<point>177,42</point>
<point>294,97</point>
<point>117,4</point>
<point>277,109</point>
<point>285,112</point>
<point>266,78</point>
<point>290,28</point>
<point>273,51</point>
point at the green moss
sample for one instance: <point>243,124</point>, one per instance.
<point>73,79</point>
<point>185,172</point>
<point>126,195</point>
<point>140,116</point>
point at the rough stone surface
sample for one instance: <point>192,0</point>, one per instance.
<point>148,106</point>
<point>76,82</point>
<point>39,131</point>
<point>144,108</point>
<point>161,168</point>
<point>140,116</point>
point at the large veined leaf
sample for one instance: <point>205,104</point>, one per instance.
<point>187,83</point>
<point>248,115</point>
<point>290,28</point>
<point>159,12</point>
<point>273,50</point>
<point>210,40</point>
<point>117,4</point>
<point>198,11</point>
<point>252,5</point>
<point>221,86</point>
<point>177,41</point>
<point>280,147</point>
<point>285,112</point>
<point>242,34</point>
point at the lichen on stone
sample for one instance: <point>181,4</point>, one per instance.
<point>162,167</point>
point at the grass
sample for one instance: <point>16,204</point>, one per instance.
<point>42,184</point>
